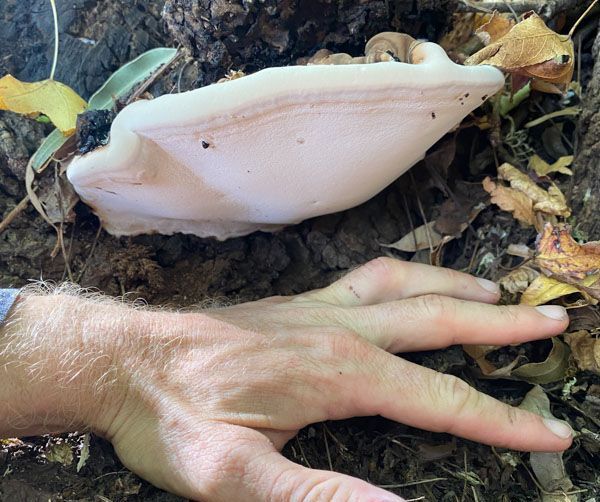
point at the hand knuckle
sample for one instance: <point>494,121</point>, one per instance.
<point>436,307</point>
<point>509,314</point>
<point>457,395</point>
<point>324,490</point>
<point>380,268</point>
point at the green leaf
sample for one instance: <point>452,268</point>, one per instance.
<point>121,82</point>
<point>118,85</point>
<point>48,148</point>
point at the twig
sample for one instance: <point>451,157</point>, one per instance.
<point>152,78</point>
<point>55,58</point>
<point>410,221</point>
<point>16,211</point>
<point>327,448</point>
<point>302,453</point>
<point>412,483</point>
<point>546,9</point>
<point>422,212</point>
<point>582,17</point>
<point>89,257</point>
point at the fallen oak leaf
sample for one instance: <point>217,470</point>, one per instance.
<point>57,101</point>
<point>542,168</point>
<point>551,201</point>
<point>511,200</point>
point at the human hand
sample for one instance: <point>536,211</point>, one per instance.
<point>207,399</point>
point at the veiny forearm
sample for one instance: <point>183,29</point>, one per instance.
<point>56,357</point>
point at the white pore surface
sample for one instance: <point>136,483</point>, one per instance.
<point>284,144</point>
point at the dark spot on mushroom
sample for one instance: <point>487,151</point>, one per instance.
<point>484,97</point>
<point>205,145</point>
<point>300,141</point>
<point>467,95</point>
<point>433,115</point>
<point>351,288</point>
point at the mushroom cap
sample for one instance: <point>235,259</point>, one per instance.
<point>275,147</point>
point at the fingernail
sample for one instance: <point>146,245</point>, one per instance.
<point>555,312</point>
<point>489,286</point>
<point>561,429</point>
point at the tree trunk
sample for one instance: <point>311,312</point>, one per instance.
<point>586,182</point>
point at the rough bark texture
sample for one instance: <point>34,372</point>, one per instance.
<point>248,36</point>
<point>586,182</point>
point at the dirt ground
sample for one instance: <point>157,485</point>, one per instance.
<point>97,37</point>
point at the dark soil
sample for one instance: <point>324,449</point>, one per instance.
<point>99,36</point>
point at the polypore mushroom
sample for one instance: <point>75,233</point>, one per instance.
<point>279,146</point>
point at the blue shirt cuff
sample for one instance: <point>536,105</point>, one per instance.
<point>7,298</point>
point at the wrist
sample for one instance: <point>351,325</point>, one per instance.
<point>57,356</point>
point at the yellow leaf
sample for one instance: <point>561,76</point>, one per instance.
<point>532,50</point>
<point>511,200</point>
<point>542,168</point>
<point>559,254</point>
<point>544,289</point>
<point>59,102</point>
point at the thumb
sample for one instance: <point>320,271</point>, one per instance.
<point>243,464</point>
<point>287,481</point>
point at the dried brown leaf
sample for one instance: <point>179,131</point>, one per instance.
<point>511,200</point>
<point>586,350</point>
<point>552,369</point>
<point>551,201</point>
<point>549,468</point>
<point>518,280</point>
<point>532,50</point>
<point>497,27</point>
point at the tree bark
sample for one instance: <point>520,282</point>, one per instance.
<point>586,182</point>
<point>249,36</point>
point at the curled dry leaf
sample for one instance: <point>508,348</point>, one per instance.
<point>532,50</point>
<point>551,201</point>
<point>552,369</point>
<point>58,102</point>
<point>545,289</point>
<point>518,280</point>
<point>542,168</point>
<point>586,350</point>
<point>426,236</point>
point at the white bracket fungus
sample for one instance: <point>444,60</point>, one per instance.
<point>278,146</point>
